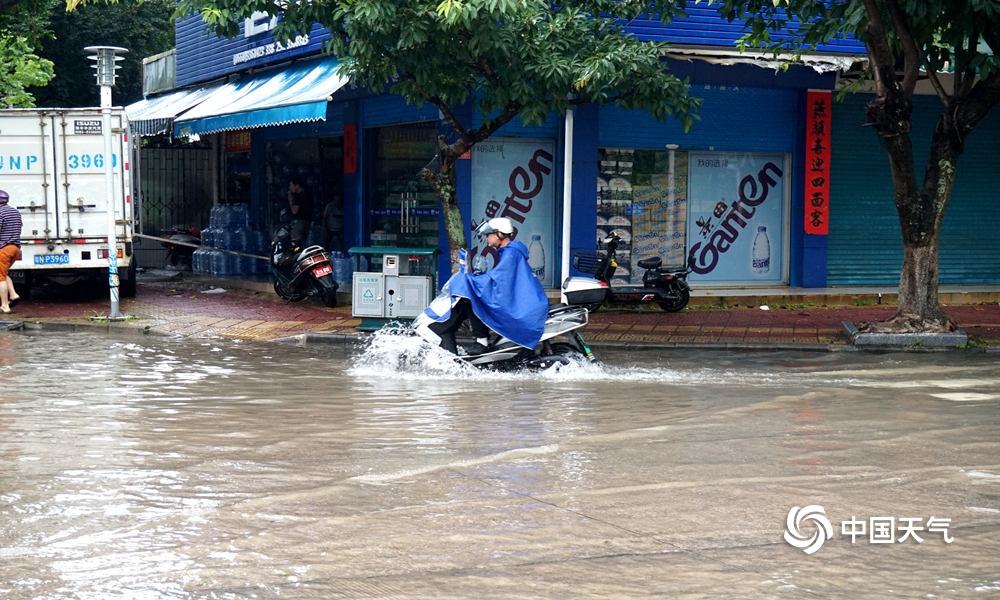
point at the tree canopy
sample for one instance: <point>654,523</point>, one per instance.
<point>955,45</point>
<point>23,26</point>
<point>144,28</point>
<point>498,59</point>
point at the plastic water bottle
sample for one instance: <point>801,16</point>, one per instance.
<point>536,256</point>
<point>760,258</point>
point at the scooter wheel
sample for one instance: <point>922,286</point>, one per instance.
<point>681,298</point>
<point>285,294</point>
<point>330,297</point>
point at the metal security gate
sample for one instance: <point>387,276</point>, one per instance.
<point>865,245</point>
<point>176,188</point>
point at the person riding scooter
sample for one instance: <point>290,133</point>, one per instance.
<point>508,298</point>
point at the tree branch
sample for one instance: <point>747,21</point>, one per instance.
<point>879,53</point>
<point>942,93</point>
<point>449,115</point>
<point>911,58</point>
<point>490,126</point>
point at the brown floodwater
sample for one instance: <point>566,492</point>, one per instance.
<point>147,467</point>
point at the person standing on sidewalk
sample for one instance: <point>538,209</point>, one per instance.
<point>10,250</point>
<point>301,207</point>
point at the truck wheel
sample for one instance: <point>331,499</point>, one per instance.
<point>127,285</point>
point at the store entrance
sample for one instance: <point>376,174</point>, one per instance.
<point>404,210</point>
<point>316,166</point>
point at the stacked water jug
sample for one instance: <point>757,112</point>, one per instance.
<point>230,228</point>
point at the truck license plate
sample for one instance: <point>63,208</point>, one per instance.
<point>321,271</point>
<point>52,259</point>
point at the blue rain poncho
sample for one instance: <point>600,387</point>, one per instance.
<point>508,298</point>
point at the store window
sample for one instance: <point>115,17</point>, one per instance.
<point>236,146</point>
<point>642,197</point>
<point>316,166</point>
<point>726,211</point>
<point>404,210</point>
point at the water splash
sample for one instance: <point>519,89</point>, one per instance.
<point>396,353</point>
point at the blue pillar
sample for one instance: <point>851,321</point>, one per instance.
<point>584,218</point>
<point>814,261</point>
<point>354,222</point>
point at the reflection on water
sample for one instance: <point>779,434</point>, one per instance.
<point>149,467</point>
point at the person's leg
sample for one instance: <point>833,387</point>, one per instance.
<point>12,296</point>
<point>446,329</point>
<point>5,261</point>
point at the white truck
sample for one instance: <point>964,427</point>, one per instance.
<point>52,165</point>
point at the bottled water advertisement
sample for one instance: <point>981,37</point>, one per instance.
<point>515,178</point>
<point>736,216</point>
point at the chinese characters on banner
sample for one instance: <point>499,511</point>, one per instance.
<point>817,176</point>
<point>350,149</point>
<point>237,141</point>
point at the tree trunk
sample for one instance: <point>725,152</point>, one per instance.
<point>920,210</point>
<point>918,309</point>
<point>443,182</point>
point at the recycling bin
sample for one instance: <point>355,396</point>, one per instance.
<point>391,283</point>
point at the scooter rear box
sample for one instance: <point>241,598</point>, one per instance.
<point>583,290</point>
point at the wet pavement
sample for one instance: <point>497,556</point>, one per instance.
<point>182,307</point>
<point>186,467</point>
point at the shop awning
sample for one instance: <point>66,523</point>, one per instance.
<point>821,63</point>
<point>155,115</point>
<point>295,94</point>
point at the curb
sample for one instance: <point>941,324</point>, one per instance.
<point>349,340</point>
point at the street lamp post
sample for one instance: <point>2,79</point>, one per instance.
<point>106,60</point>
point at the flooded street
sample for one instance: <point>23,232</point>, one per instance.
<point>146,467</point>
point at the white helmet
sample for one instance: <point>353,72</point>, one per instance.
<point>497,225</point>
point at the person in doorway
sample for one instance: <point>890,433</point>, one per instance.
<point>10,251</point>
<point>333,224</point>
<point>300,206</point>
<point>507,299</point>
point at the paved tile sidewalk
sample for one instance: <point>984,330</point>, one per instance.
<point>182,308</point>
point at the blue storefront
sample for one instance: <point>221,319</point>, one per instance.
<point>729,192</point>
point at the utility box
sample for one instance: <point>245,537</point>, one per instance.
<point>391,283</point>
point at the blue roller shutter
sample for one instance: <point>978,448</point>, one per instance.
<point>865,247</point>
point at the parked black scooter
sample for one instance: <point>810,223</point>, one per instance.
<point>179,254</point>
<point>666,286</point>
<point>298,273</point>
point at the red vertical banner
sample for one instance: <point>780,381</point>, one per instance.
<point>350,149</point>
<point>819,111</point>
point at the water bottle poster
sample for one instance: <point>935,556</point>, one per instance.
<point>736,208</point>
<point>515,178</point>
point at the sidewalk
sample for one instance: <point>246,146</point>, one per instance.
<point>251,311</point>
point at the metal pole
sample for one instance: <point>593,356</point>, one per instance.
<point>109,188</point>
<point>567,198</point>
<point>105,59</point>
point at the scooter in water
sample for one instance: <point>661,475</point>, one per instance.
<point>666,286</point>
<point>301,272</point>
<point>561,341</point>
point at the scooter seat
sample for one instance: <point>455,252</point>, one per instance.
<point>650,263</point>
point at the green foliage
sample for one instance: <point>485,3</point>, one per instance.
<point>509,57</point>
<point>19,69</point>
<point>958,36</point>
<point>23,25</point>
<point>144,28</point>
<point>502,58</point>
